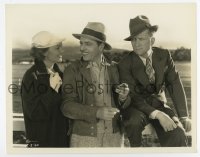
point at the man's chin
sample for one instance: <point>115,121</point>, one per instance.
<point>140,53</point>
<point>86,59</point>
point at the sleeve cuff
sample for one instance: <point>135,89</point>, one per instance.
<point>182,118</point>
<point>125,103</point>
<point>153,114</point>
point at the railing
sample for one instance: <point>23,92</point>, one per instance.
<point>18,122</point>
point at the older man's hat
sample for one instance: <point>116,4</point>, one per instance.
<point>94,31</point>
<point>138,25</point>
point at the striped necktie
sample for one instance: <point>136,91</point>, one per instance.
<point>150,71</point>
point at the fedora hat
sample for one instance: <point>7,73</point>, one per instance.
<point>45,39</point>
<point>138,25</point>
<point>94,31</point>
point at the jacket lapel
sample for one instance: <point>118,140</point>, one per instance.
<point>85,71</point>
<point>42,70</point>
<point>158,64</point>
<point>139,70</point>
<point>40,67</point>
<point>113,75</point>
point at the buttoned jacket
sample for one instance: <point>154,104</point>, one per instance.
<point>149,97</point>
<point>78,98</point>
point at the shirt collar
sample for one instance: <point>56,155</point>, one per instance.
<point>149,53</point>
<point>50,70</point>
<point>103,62</point>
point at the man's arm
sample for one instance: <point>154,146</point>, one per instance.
<point>123,95</point>
<point>123,99</point>
<point>177,93</point>
<point>126,76</point>
<point>175,88</point>
<point>71,106</point>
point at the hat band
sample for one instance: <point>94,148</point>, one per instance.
<point>96,34</point>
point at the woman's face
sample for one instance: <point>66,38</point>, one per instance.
<point>54,54</point>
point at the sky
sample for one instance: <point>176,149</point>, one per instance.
<point>177,22</point>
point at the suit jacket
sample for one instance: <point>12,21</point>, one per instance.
<point>44,121</point>
<point>147,97</point>
<point>79,104</point>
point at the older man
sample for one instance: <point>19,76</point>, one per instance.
<point>148,70</point>
<point>90,97</point>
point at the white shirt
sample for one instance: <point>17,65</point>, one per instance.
<point>149,54</point>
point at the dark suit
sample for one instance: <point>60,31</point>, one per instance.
<point>147,97</point>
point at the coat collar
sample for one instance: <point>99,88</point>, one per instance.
<point>103,62</point>
<point>139,70</point>
<point>41,68</point>
<point>85,71</point>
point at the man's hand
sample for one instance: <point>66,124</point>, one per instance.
<point>186,123</point>
<point>123,91</point>
<point>165,121</point>
<point>106,113</point>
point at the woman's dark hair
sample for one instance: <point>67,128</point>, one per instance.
<point>38,53</point>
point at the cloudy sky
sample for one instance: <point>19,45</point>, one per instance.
<point>177,22</point>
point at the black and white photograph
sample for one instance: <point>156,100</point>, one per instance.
<point>101,77</point>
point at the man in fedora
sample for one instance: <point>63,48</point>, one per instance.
<point>90,97</point>
<point>148,71</point>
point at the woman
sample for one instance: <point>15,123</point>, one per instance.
<point>41,94</point>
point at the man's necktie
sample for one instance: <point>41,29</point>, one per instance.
<point>150,71</point>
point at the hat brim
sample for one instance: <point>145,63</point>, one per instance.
<point>152,29</point>
<point>78,36</point>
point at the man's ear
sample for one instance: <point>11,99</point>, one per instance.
<point>152,41</point>
<point>101,46</point>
